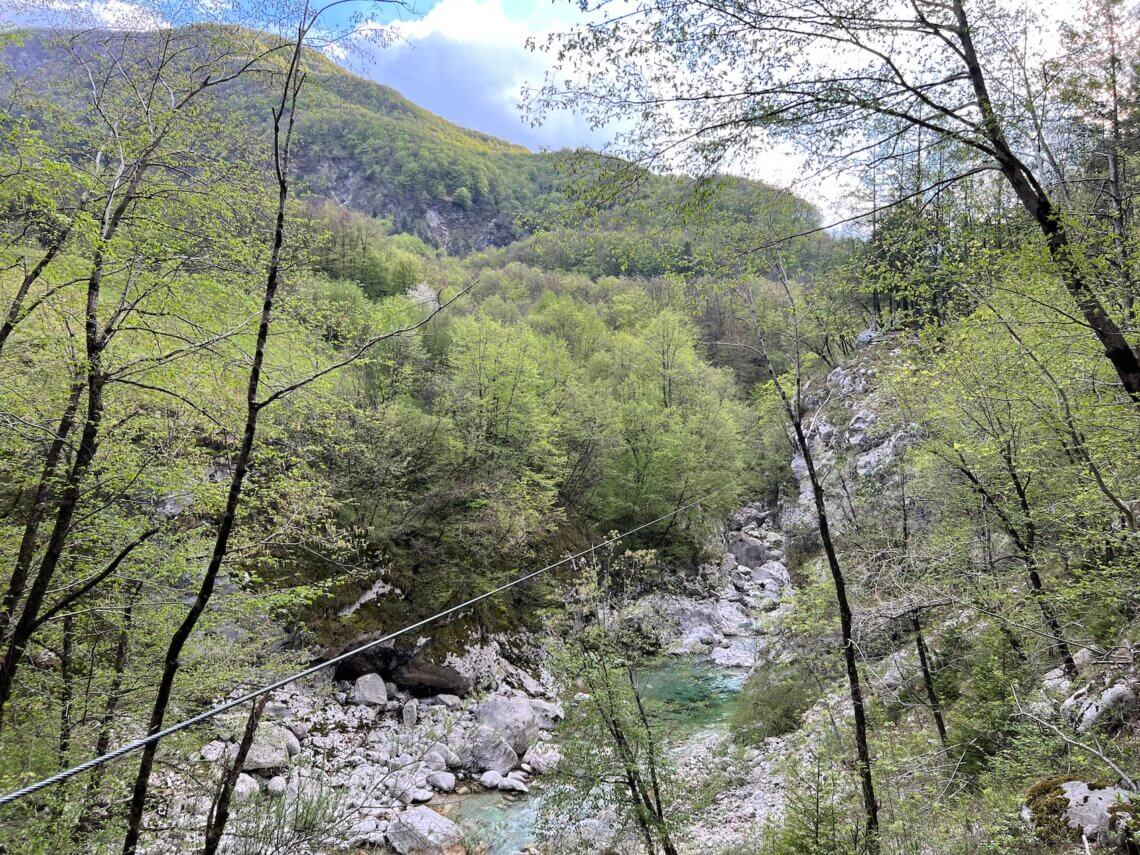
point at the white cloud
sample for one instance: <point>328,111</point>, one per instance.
<point>111,14</point>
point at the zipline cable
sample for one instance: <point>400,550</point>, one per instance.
<point>135,745</point>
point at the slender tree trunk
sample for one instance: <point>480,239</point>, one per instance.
<point>928,679</point>
<point>1048,217</point>
<point>1060,646</point>
<point>220,810</point>
<point>19,578</point>
<point>793,413</point>
<point>66,690</point>
<point>282,135</point>
<point>24,628</point>
<point>87,820</point>
<point>17,304</point>
<point>95,342</point>
<point>862,746</point>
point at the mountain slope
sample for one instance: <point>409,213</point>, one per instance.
<point>365,146</point>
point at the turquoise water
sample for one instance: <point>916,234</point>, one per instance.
<point>694,695</point>
<point>504,824</point>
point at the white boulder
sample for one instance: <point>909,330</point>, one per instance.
<point>422,831</point>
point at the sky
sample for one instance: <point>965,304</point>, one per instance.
<point>467,60</point>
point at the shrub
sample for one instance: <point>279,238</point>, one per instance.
<point>772,702</point>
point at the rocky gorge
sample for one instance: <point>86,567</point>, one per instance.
<point>399,753</point>
<point>384,754</point>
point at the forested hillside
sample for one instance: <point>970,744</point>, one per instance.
<point>603,504</point>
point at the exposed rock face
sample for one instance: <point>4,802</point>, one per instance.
<point>748,549</point>
<point>404,669</point>
<point>422,831</point>
<point>512,718</point>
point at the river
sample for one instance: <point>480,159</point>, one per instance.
<point>694,694</point>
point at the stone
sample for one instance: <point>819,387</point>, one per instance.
<point>746,516</point>
<point>490,779</point>
<point>546,714</point>
<point>442,781</point>
<point>369,691</point>
<point>1088,808</point>
<point>270,748</point>
<point>542,758</point>
<point>276,786</point>
<point>213,751</point>
<point>1109,710</point>
<point>449,701</point>
<point>245,787</point>
<point>292,743</point>
<point>512,785</point>
<point>488,750</point>
<point>410,713</point>
<point>1056,683</point>
<point>748,550</point>
<point>512,718</point>
<point>422,831</point>
<point>364,832</point>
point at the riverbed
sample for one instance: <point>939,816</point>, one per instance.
<point>695,696</point>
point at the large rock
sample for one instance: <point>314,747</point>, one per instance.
<point>748,550</point>
<point>442,781</point>
<point>369,691</point>
<point>245,787</point>
<point>270,748</point>
<point>1060,810</point>
<point>487,750</point>
<point>542,758</point>
<point>1109,710</point>
<point>546,714</point>
<point>422,831</point>
<point>512,718</point>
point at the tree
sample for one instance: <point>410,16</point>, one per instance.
<point>792,406</point>
<point>845,80</point>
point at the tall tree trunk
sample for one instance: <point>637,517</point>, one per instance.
<point>24,628</point>
<point>862,746</point>
<point>928,679</point>
<point>283,121</point>
<point>794,414</point>
<point>1048,217</point>
<point>27,550</point>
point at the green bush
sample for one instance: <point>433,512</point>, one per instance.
<point>772,702</point>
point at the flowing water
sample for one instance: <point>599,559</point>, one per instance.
<point>693,694</point>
